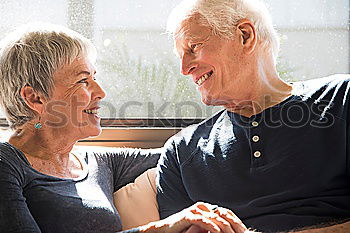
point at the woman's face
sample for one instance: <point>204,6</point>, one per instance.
<point>73,107</point>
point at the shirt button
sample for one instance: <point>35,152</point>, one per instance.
<point>257,154</point>
<point>255,124</point>
<point>255,138</point>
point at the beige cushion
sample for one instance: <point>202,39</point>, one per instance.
<point>136,202</point>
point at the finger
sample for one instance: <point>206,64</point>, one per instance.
<point>206,206</point>
<point>204,211</point>
<point>203,222</point>
<point>236,224</point>
<point>224,225</point>
<point>226,213</point>
<point>195,229</point>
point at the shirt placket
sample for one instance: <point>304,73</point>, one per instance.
<point>256,143</point>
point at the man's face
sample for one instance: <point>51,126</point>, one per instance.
<point>218,66</point>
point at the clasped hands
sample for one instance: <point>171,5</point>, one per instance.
<point>200,218</point>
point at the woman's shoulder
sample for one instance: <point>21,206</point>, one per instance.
<point>10,160</point>
<point>93,155</point>
<point>8,152</point>
<point>92,152</point>
<point>107,152</point>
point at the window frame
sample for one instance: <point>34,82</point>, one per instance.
<point>132,132</point>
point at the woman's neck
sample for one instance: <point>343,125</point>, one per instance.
<point>41,143</point>
<point>47,154</point>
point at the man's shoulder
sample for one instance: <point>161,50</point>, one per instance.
<point>327,95</point>
<point>322,86</point>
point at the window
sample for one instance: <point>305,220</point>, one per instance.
<point>136,64</point>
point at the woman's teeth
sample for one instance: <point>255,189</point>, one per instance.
<point>204,77</point>
<point>94,111</point>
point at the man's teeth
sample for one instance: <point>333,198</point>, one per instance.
<point>94,111</point>
<point>203,78</point>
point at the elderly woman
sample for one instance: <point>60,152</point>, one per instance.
<point>51,99</point>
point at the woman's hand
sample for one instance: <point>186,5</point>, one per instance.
<point>200,216</point>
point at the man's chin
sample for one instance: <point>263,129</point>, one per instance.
<point>213,101</point>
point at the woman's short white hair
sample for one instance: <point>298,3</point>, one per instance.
<point>222,16</point>
<point>30,56</point>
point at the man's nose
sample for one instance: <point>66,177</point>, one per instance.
<point>98,92</point>
<point>188,64</point>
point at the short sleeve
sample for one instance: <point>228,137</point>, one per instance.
<point>346,104</point>
<point>171,193</point>
<point>348,142</point>
<point>14,213</point>
<point>128,163</point>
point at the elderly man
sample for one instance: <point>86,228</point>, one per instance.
<point>278,155</point>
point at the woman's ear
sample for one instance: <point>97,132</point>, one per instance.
<point>33,100</point>
<point>247,35</point>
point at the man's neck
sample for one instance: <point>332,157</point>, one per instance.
<point>270,90</point>
<point>256,107</point>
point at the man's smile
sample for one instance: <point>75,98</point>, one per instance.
<point>203,78</point>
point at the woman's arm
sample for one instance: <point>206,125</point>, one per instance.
<point>129,163</point>
<point>14,213</point>
<point>126,163</point>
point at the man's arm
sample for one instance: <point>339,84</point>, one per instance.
<point>238,226</point>
<point>339,228</point>
<point>171,193</point>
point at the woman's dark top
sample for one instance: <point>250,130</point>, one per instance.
<point>31,201</point>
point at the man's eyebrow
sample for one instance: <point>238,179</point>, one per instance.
<point>190,36</point>
<point>85,72</point>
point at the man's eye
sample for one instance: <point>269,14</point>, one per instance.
<point>83,81</point>
<point>194,47</point>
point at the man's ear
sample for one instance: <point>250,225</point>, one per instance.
<point>247,35</point>
<point>33,100</point>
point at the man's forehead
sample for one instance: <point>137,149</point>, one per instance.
<point>192,29</point>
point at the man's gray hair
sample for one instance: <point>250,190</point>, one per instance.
<point>222,16</point>
<point>30,56</point>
